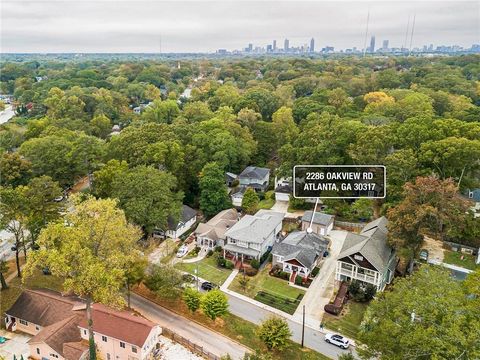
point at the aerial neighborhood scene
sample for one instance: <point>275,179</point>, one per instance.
<point>239,180</point>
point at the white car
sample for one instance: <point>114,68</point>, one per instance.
<point>337,340</point>
<point>182,251</point>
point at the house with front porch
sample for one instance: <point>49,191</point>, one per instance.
<point>367,257</point>
<point>212,233</point>
<point>299,253</point>
<point>253,235</point>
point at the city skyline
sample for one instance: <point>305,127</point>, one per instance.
<point>199,26</point>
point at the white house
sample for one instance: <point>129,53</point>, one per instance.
<point>322,223</point>
<point>188,217</point>
<point>253,235</point>
<point>367,257</point>
<point>299,253</point>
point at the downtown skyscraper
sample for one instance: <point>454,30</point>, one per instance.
<point>312,45</point>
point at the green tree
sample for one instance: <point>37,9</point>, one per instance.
<point>91,253</point>
<point>134,271</point>
<point>148,196</point>
<point>250,201</point>
<point>101,126</point>
<point>274,333</point>
<point>285,128</point>
<point>103,178</point>
<point>213,190</point>
<point>214,304</point>
<point>192,299</point>
<point>161,112</point>
<point>414,104</point>
<point>15,169</point>
<point>426,316</point>
<point>164,280</point>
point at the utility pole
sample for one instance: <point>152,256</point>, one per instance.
<point>303,326</point>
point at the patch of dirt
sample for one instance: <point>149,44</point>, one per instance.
<point>434,248</point>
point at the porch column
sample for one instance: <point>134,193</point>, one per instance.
<point>224,252</point>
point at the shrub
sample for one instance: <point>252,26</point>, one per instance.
<point>221,261</point>
<point>370,292</point>
<point>298,280</point>
<point>218,249</point>
<point>209,253</point>
<point>250,271</point>
<point>315,271</point>
<point>274,332</point>
<point>192,299</point>
<point>255,264</point>
<point>228,264</point>
<point>270,195</point>
<point>214,304</point>
<point>354,288</point>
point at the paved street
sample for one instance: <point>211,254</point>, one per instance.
<point>6,114</point>
<point>313,338</point>
<point>210,340</point>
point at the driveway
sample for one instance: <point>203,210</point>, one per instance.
<point>209,340</point>
<point>16,345</point>
<point>6,114</point>
<point>435,249</point>
<point>321,290</point>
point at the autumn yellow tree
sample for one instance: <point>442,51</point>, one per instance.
<point>90,248</point>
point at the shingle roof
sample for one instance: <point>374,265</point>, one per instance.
<point>302,246</point>
<point>371,243</point>
<point>253,172</point>
<point>120,325</point>
<point>59,333</point>
<point>216,227</point>
<point>284,189</point>
<point>44,307</point>
<point>75,350</point>
<point>186,215</point>
<point>319,218</point>
<point>255,228</point>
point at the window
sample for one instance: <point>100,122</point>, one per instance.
<point>134,349</point>
<point>358,257</point>
<point>470,194</point>
<point>122,344</point>
<point>54,356</point>
<point>38,351</point>
<point>23,322</point>
<point>84,332</point>
<point>104,338</point>
<point>108,356</point>
<point>37,327</point>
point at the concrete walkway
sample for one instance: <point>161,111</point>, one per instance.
<point>200,256</point>
<point>229,280</point>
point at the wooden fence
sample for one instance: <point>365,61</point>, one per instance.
<point>350,226</point>
<point>195,348</point>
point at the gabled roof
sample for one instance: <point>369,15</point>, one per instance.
<point>301,246</point>
<point>371,243</point>
<point>230,176</point>
<point>44,307</point>
<point>284,189</point>
<point>120,325</point>
<point>60,333</point>
<point>255,228</point>
<point>253,172</point>
<point>216,227</point>
<point>319,218</point>
<point>186,215</point>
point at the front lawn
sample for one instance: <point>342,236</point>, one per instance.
<point>15,287</point>
<point>347,323</point>
<point>207,269</point>
<point>269,290</point>
<point>266,204</point>
<point>454,258</point>
<point>234,328</point>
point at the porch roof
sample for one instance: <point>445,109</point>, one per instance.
<point>241,250</point>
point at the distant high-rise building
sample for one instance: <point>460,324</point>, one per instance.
<point>312,45</point>
<point>274,45</point>
<point>372,44</point>
<point>385,45</point>
<point>269,48</point>
<point>286,45</point>
<point>250,47</point>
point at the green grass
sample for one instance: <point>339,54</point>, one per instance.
<point>349,323</point>
<point>454,258</point>
<point>37,280</point>
<point>282,303</point>
<point>237,329</point>
<point>266,204</point>
<point>271,285</point>
<point>207,269</point>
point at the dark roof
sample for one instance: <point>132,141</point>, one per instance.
<point>284,189</point>
<point>253,172</point>
<point>230,176</point>
<point>302,246</point>
<point>371,243</point>
<point>120,325</point>
<point>44,307</point>
<point>187,214</point>
<point>319,218</point>
<point>59,333</point>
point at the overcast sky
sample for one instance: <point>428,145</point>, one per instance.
<point>204,26</point>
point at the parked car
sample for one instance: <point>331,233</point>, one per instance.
<point>337,340</point>
<point>182,251</point>
<point>423,255</point>
<point>207,286</point>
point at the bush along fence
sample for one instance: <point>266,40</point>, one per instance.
<point>195,348</point>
